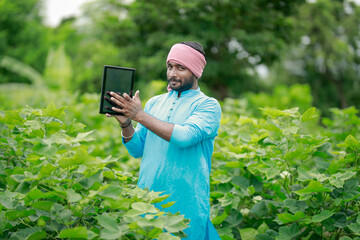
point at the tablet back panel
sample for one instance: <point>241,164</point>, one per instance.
<point>116,79</point>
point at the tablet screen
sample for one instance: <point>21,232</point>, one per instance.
<point>116,79</point>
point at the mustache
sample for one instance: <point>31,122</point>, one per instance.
<point>173,79</point>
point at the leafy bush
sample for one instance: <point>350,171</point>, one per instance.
<point>53,186</point>
<point>277,174</point>
<point>274,179</point>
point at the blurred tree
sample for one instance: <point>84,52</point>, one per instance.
<point>22,35</point>
<point>328,56</point>
<point>58,72</point>
<point>237,35</point>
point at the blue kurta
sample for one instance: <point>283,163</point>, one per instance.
<point>182,166</point>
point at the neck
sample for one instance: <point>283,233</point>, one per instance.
<point>194,87</point>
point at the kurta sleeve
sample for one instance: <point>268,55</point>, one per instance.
<point>203,123</point>
<point>136,145</point>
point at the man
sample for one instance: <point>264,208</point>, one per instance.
<point>175,138</point>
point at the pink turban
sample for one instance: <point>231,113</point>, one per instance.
<point>188,57</point>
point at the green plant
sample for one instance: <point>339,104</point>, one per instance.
<point>274,179</point>
<point>52,186</point>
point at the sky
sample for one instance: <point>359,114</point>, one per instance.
<point>55,10</point>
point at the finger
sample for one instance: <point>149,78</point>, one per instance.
<point>116,95</point>
<point>137,93</point>
<point>119,103</point>
<point>111,102</point>
<point>109,115</point>
<point>119,110</point>
<point>108,93</point>
<point>113,109</point>
<point>126,97</point>
<point>108,108</point>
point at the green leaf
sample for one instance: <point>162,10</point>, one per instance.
<point>270,171</point>
<point>52,111</point>
<point>16,214</point>
<point>288,232</point>
<point>338,179</point>
<point>114,234</point>
<point>34,125</point>
<point>251,190</point>
<point>287,217</point>
<point>290,130</point>
<point>29,234</point>
<point>12,117</point>
<point>219,219</point>
<point>340,219</point>
<point>355,227</point>
<point>248,233</point>
<point>75,127</point>
<point>226,200</point>
<point>153,234</point>
<point>309,114</point>
<point>3,222</point>
<point>7,199</point>
<point>262,228</point>
<point>236,164</point>
<point>263,237</point>
<point>159,199</point>
<point>81,157</point>
<point>259,209</point>
<point>313,187</point>
<point>221,178</point>
<point>174,223</point>
<point>345,238</point>
<point>322,216</point>
<point>44,149</point>
<point>225,233</point>
<point>77,232</point>
<point>169,204</point>
<point>113,191</point>
<point>108,222</point>
<point>46,170</point>
<point>274,113</point>
<point>122,203</point>
<point>144,207</point>
<point>60,211</point>
<point>352,142</point>
<point>295,205</point>
<point>167,236</point>
<point>72,196</point>
<point>84,137</point>
<point>43,205</point>
<point>32,158</point>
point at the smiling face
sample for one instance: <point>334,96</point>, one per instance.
<point>180,78</point>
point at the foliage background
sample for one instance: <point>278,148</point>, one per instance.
<point>275,155</point>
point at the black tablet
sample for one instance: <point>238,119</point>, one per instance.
<point>116,79</point>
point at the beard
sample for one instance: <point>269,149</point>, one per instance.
<point>185,84</point>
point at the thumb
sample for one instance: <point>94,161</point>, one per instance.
<point>137,95</point>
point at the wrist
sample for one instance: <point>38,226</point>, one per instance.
<point>126,124</point>
<point>139,116</point>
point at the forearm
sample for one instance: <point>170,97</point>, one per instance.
<point>160,128</point>
<point>127,133</point>
<point>127,130</point>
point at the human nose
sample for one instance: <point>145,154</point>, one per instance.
<point>172,72</point>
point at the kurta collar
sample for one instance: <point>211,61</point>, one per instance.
<point>187,93</point>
